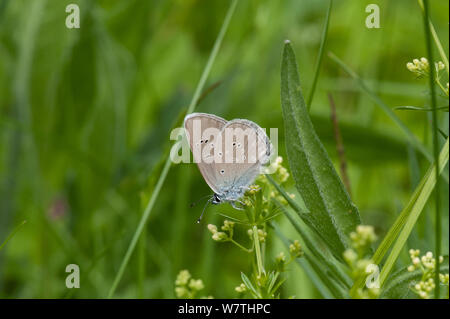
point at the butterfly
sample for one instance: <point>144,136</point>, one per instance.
<point>229,154</point>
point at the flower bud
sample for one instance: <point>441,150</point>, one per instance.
<point>219,236</point>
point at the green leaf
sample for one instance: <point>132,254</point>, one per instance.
<point>399,283</point>
<point>272,280</point>
<point>277,286</point>
<point>331,213</point>
<point>249,285</point>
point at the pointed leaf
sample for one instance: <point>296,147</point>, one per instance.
<point>331,213</point>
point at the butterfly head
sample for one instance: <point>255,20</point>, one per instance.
<point>216,199</point>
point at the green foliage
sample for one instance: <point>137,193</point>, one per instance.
<point>85,118</point>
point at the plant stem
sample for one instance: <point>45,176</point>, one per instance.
<point>339,145</point>
<point>258,251</point>
<point>240,246</point>
<point>436,39</point>
<point>435,146</point>
<point>441,86</point>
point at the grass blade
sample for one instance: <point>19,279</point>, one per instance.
<point>168,162</point>
<point>437,193</point>
<point>331,213</point>
<point>15,230</point>
<point>414,213</point>
<point>320,57</point>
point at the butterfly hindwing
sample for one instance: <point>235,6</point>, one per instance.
<point>250,148</point>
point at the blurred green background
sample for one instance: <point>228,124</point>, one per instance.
<point>85,117</point>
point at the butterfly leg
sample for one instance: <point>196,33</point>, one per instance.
<point>233,203</point>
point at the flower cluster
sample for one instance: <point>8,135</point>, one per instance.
<point>421,68</point>
<point>426,264</point>
<point>241,288</point>
<point>226,234</point>
<point>280,174</point>
<point>296,249</point>
<point>361,240</point>
<point>186,286</point>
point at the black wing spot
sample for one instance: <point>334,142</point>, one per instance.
<point>222,171</point>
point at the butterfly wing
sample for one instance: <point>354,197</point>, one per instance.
<point>245,153</point>
<point>196,125</point>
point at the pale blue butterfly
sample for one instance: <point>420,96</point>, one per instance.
<point>229,154</point>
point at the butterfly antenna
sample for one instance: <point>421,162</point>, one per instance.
<point>204,209</point>
<point>201,198</point>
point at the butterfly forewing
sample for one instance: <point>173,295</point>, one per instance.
<point>197,126</point>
